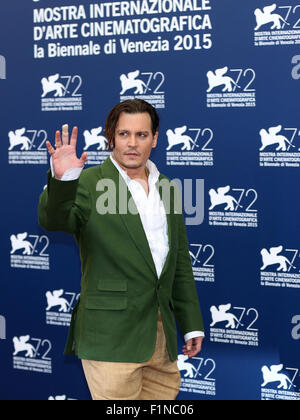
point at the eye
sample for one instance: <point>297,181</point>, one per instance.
<point>123,133</point>
<point>142,134</point>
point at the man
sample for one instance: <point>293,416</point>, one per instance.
<point>136,267</point>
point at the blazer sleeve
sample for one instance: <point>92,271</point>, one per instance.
<point>64,205</point>
<point>185,298</point>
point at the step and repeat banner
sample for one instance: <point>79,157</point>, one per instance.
<point>225,78</point>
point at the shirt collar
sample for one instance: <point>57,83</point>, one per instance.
<point>153,171</point>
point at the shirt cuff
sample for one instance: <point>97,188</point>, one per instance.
<point>193,334</point>
<point>70,175</point>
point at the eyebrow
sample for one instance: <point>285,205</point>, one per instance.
<point>125,129</point>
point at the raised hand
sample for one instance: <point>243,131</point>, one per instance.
<point>64,155</point>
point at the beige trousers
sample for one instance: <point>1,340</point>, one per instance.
<point>156,379</point>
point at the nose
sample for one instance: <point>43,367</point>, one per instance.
<point>132,141</point>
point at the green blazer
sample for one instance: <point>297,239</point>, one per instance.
<point>115,319</point>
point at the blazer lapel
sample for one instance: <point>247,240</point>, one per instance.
<point>131,217</point>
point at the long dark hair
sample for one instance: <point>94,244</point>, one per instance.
<point>135,106</point>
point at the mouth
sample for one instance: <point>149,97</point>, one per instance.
<point>131,154</point>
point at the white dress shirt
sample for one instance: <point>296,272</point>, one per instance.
<point>152,213</point>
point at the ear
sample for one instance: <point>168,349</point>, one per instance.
<point>154,143</point>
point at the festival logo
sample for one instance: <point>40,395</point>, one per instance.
<point>279,383</point>
<point>277,25</point>
<point>59,307</point>
<point>29,251</point>
<point>231,88</point>
<point>61,398</point>
<point>202,256</point>
<point>32,354</point>
<point>61,93</point>
<point>189,146</point>
<point>233,207</point>
<point>197,375</point>
<point>280,267</point>
<point>234,325</point>
<point>278,148</point>
<point>97,146</point>
<point>27,147</point>
<point>146,85</point>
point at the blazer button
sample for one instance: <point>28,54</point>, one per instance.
<point>158,287</point>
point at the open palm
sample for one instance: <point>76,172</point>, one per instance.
<point>64,155</point>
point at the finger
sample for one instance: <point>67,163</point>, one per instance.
<point>65,134</point>
<point>58,139</point>
<point>74,136</point>
<point>50,148</point>
<point>84,158</point>
<point>194,351</point>
<point>189,344</point>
